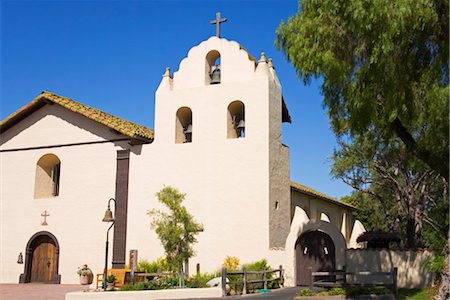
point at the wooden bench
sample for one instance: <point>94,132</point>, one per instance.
<point>122,277</point>
<point>338,278</point>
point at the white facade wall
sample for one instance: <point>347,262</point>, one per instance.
<point>226,180</point>
<point>410,264</point>
<point>232,186</point>
<point>87,182</point>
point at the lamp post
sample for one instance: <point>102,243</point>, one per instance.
<point>108,218</point>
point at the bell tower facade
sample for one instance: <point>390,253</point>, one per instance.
<point>218,139</point>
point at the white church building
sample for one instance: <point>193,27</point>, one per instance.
<point>217,138</point>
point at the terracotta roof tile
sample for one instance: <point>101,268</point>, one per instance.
<point>311,192</point>
<point>123,126</point>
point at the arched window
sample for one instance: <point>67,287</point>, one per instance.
<point>236,120</point>
<point>183,126</point>
<point>324,217</point>
<point>48,171</point>
<point>212,67</point>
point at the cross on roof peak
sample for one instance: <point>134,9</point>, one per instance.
<point>217,22</point>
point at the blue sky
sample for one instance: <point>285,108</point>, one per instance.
<point>111,55</point>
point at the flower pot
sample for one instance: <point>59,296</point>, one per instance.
<point>86,279</point>
<point>110,286</point>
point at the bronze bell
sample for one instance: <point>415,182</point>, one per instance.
<point>241,128</point>
<point>188,134</point>
<point>108,216</point>
<point>215,75</point>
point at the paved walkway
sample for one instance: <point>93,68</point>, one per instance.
<point>32,291</point>
<point>35,291</point>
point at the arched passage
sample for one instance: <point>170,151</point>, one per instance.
<point>300,224</point>
<point>41,259</point>
<point>314,251</point>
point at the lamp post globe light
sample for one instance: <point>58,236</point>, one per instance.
<point>109,217</point>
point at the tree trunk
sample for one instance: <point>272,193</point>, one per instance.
<point>436,163</point>
<point>410,233</point>
<point>181,275</point>
<point>444,288</point>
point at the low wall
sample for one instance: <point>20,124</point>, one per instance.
<point>146,295</point>
<point>411,271</point>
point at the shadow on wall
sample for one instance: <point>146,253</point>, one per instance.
<point>410,263</point>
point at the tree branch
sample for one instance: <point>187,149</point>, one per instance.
<point>436,163</point>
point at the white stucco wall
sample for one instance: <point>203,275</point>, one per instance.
<point>226,180</point>
<point>87,182</point>
<point>230,184</point>
<point>412,273</point>
<point>338,215</point>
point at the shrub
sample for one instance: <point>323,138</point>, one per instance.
<point>200,280</point>
<point>231,264</point>
<point>111,279</point>
<point>159,265</point>
<point>139,286</point>
<point>305,293</point>
<point>258,265</point>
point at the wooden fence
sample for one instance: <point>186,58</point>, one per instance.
<point>339,278</point>
<point>266,277</point>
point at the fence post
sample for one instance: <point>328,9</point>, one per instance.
<point>224,282</point>
<point>394,281</point>
<point>344,268</point>
<point>244,281</point>
<point>312,278</point>
<point>265,279</point>
<point>133,264</point>
<point>281,276</point>
<point>198,270</point>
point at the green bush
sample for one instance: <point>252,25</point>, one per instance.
<point>305,293</point>
<point>159,265</point>
<point>336,291</point>
<point>435,264</point>
<point>200,280</point>
<point>139,286</point>
<point>261,265</point>
<point>159,283</point>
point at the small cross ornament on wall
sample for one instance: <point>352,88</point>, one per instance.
<point>217,22</point>
<point>45,214</point>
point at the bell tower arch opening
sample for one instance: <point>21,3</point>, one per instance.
<point>183,126</point>
<point>236,120</point>
<point>212,67</point>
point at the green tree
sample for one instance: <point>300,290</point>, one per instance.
<point>384,65</point>
<point>176,229</point>
<point>394,187</point>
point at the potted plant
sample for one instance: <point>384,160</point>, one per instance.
<point>110,281</point>
<point>86,275</point>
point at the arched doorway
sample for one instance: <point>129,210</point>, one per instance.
<point>314,251</point>
<point>41,259</point>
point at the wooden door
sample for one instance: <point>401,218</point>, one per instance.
<point>314,251</point>
<point>43,265</point>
